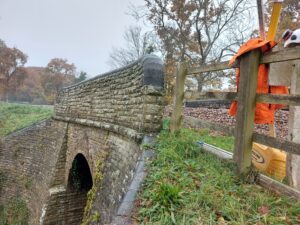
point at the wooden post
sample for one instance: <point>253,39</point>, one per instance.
<point>261,18</point>
<point>246,110</point>
<point>272,130</point>
<point>176,118</point>
<point>293,161</point>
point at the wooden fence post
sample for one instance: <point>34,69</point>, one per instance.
<point>176,118</point>
<point>293,161</point>
<point>246,110</point>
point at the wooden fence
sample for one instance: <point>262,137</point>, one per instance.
<point>247,98</point>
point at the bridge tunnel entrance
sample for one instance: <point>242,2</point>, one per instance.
<point>79,183</point>
<point>66,207</point>
<point>80,178</point>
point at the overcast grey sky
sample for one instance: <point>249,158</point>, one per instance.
<point>82,31</point>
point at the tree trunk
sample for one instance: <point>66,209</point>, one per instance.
<point>6,89</point>
<point>200,83</point>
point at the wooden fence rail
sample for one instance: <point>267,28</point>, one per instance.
<point>272,57</point>
<point>287,54</point>
<point>278,99</point>
<point>287,146</point>
<point>262,98</point>
<point>209,68</point>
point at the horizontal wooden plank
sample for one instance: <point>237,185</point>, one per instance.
<point>195,123</point>
<point>283,145</point>
<point>279,99</point>
<point>281,56</point>
<point>278,187</point>
<point>209,68</point>
<point>266,98</point>
<point>210,95</point>
<point>271,57</point>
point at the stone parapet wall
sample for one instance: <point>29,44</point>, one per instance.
<point>130,97</point>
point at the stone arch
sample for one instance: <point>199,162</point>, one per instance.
<point>79,183</point>
<point>80,176</point>
<point>66,204</point>
<point>78,143</point>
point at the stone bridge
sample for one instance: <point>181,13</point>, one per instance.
<point>76,166</point>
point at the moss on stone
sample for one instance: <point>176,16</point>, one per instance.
<point>15,212</point>
<point>96,217</point>
<point>88,215</point>
<point>2,180</point>
<point>27,182</point>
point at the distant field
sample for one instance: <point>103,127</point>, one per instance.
<point>17,116</point>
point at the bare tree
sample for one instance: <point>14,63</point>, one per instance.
<point>201,31</point>
<point>138,43</point>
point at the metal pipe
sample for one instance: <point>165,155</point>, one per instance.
<point>215,150</point>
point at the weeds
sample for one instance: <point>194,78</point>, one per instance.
<point>168,196</point>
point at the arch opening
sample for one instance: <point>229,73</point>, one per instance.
<point>80,178</point>
<point>79,183</point>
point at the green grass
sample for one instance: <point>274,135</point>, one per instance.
<point>187,186</point>
<point>16,116</point>
<point>218,140</point>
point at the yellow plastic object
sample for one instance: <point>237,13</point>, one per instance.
<point>274,20</point>
<point>269,160</point>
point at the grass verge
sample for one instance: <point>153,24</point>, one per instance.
<point>17,116</point>
<point>187,186</point>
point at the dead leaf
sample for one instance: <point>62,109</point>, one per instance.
<point>197,183</point>
<point>263,210</point>
<point>221,220</point>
